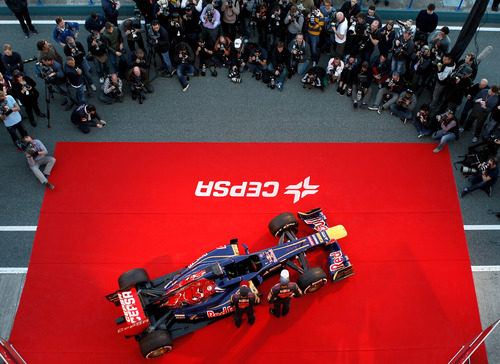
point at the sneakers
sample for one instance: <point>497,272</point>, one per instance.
<point>314,63</point>
<point>437,150</point>
<point>379,110</point>
<point>355,104</point>
<point>464,192</point>
<point>203,70</point>
<point>213,73</point>
<point>34,31</point>
<point>420,136</point>
<point>460,130</point>
<point>92,87</point>
<point>349,92</point>
<point>185,88</point>
<point>49,185</point>
<point>373,108</point>
<point>474,139</point>
<point>363,105</point>
<point>280,86</point>
<point>101,80</point>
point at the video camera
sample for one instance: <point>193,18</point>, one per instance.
<point>4,109</point>
<point>28,148</point>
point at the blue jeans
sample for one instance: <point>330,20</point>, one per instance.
<point>313,42</point>
<point>444,138</point>
<point>282,76</point>
<point>101,68</point>
<point>114,59</point>
<point>302,67</point>
<point>477,182</point>
<point>184,70</point>
<point>80,94</point>
<point>86,71</point>
<point>166,59</point>
<point>421,128</point>
<point>400,112</point>
<point>254,68</point>
<point>398,66</point>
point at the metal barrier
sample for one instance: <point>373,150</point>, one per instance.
<point>8,354</point>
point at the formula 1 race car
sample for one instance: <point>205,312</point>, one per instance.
<point>157,311</point>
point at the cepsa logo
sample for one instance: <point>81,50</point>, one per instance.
<point>129,306</point>
<point>266,189</point>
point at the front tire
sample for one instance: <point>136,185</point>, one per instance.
<point>133,277</point>
<point>283,222</point>
<point>312,280</point>
<point>155,344</point>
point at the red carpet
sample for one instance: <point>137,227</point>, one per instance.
<point>118,206</point>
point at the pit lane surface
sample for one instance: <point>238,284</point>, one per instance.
<point>215,110</point>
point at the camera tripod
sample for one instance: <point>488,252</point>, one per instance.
<point>49,94</point>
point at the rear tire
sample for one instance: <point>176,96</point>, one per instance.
<point>312,280</point>
<point>155,344</point>
<point>283,222</point>
<point>133,277</point>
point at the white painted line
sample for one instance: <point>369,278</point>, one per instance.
<point>18,228</point>
<point>17,270</point>
<point>481,227</point>
<point>486,268</point>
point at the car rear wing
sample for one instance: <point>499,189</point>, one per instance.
<point>134,320</point>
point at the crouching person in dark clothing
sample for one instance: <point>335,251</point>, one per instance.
<point>243,302</point>
<point>281,294</point>
<point>184,59</point>
<point>85,116</point>
<point>139,84</point>
<point>314,78</point>
<point>112,90</point>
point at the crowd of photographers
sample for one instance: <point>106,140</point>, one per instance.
<point>379,67</point>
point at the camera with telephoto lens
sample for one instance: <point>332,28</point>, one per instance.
<point>46,72</point>
<point>272,83</point>
<point>230,4</point>
<point>27,148</point>
<point>183,56</point>
<point>470,171</point>
<point>352,27</point>
<point>4,108</point>
<point>210,16</point>
<point>312,19</point>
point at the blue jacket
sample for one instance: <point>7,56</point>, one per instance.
<point>70,28</point>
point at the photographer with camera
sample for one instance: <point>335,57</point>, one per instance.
<point>347,75</point>
<point>278,65</point>
<point>210,22</point>
<point>9,113</point>
<point>191,20</point>
<point>484,178</point>
<point>85,116</point>
<point>222,52</point>
<point>387,36</point>
<point>350,9</point>
<point>95,23</point>
<point>184,59</point>
<point>314,78</point>
<point>314,26</point>
<point>448,130</point>
<point>12,61</point>
<point>421,69</point>
<point>460,81</point>
<point>204,59</point>
<point>369,40</point>
<point>162,11</point>
<point>381,69</point>
<point>402,52</point>
<point>24,90</point>
<point>300,55</point>
<point>64,29</point>
<point>133,31</point>
<point>388,93</point>
<point>52,73</point>
<point>139,84</point>
<point>114,45</point>
<point>294,21</point>
<point>440,40</point>
<point>334,69</point>
<point>74,76</point>
<point>340,34</point>
<point>76,50</point>
<point>38,156</point>
<point>257,62</point>
<point>470,93</point>
<point>158,38</point>
<point>112,90</point>
<point>175,28</point>
<point>423,121</point>
<point>361,85</point>
<point>138,58</point>
<point>230,10</point>
<point>483,104</point>
<point>443,71</point>
<point>355,34</point>
<point>239,58</point>
<point>405,105</point>
<point>97,48</point>
<point>275,27</point>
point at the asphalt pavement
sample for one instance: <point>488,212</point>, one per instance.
<point>216,110</point>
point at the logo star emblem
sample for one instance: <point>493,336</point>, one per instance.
<point>301,189</point>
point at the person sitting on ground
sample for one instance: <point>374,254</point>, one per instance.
<point>314,78</point>
<point>280,59</point>
<point>184,60</point>
<point>423,121</point>
<point>85,116</point>
<point>257,62</point>
<point>448,129</point>
<point>112,89</point>
<point>388,93</point>
<point>361,85</point>
<point>139,84</point>
<point>347,75</point>
<point>403,108</point>
<point>334,69</point>
<point>485,179</point>
<point>37,156</point>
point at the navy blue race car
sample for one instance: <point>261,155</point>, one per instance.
<point>157,311</point>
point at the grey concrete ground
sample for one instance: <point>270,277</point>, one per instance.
<point>215,110</point>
